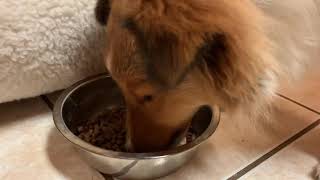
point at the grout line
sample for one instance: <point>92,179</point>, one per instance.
<point>274,151</point>
<point>47,101</point>
<point>296,102</point>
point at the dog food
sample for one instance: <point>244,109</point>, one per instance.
<point>107,130</point>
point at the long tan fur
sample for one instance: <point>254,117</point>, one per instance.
<point>171,56</point>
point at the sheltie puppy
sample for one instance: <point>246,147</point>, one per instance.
<point>170,57</point>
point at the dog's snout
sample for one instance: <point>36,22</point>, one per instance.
<point>146,134</point>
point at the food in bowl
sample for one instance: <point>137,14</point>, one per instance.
<point>106,130</point>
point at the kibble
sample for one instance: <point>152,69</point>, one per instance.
<point>107,130</point>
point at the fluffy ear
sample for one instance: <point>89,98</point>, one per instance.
<point>102,11</point>
<point>241,66</point>
<point>217,56</point>
<point>166,62</point>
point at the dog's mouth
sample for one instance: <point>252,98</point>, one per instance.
<point>185,134</point>
<point>204,113</point>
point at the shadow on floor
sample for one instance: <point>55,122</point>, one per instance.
<point>66,160</point>
<point>20,111</point>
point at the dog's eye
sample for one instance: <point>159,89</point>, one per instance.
<point>147,98</point>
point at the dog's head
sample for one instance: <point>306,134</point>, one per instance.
<point>170,57</point>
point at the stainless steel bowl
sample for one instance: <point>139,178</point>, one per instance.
<point>78,102</point>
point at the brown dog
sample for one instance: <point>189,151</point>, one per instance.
<point>170,57</point>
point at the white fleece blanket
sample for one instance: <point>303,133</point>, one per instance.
<point>46,45</point>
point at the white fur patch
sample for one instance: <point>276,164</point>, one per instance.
<point>108,61</point>
<point>270,84</point>
<point>295,31</point>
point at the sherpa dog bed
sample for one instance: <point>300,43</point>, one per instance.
<point>46,45</point>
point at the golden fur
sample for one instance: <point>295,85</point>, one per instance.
<point>170,57</point>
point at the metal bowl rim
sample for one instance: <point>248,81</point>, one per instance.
<point>64,130</point>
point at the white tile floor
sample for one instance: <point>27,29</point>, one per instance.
<point>31,148</point>
<point>297,161</point>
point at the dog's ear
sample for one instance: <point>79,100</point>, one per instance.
<point>239,65</point>
<point>216,56</point>
<point>102,11</point>
<point>166,63</point>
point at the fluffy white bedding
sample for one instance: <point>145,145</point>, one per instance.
<point>46,45</point>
